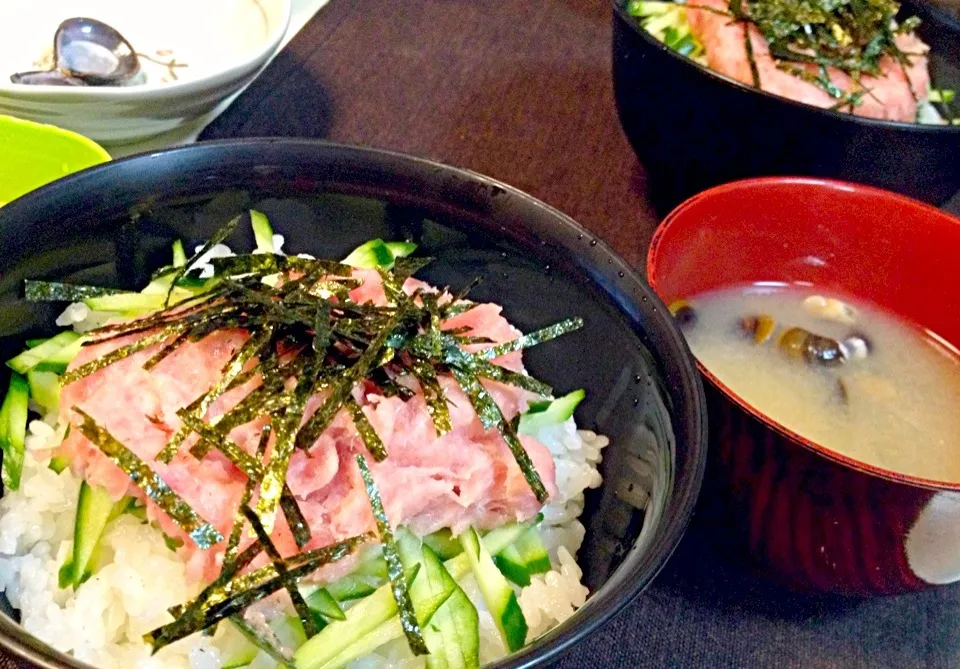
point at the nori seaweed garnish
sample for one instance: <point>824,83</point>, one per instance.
<point>219,601</point>
<point>305,329</point>
<point>398,583</point>
<point>54,291</point>
<point>853,36</point>
<point>203,533</point>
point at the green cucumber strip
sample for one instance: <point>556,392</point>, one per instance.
<point>179,255</point>
<point>13,430</point>
<point>524,558</point>
<point>453,633</point>
<point>369,642</point>
<point>549,412</point>
<point>361,619</point>
<point>29,359</point>
<point>942,95</point>
<point>59,360</point>
<point>235,650</point>
<point>58,463</point>
<point>383,633</point>
<point>352,587</point>
<point>444,544</point>
<point>494,541</point>
<point>33,343</point>
<point>262,232</point>
<point>94,509</point>
<point>289,631</point>
<point>369,574</point>
<point>401,249</point>
<point>322,602</point>
<point>370,255</point>
<point>126,302</point>
<point>500,598</point>
<point>648,7</point>
<point>45,389</point>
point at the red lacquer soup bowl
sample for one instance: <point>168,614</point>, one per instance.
<point>809,517</point>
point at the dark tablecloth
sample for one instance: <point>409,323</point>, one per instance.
<point>521,91</point>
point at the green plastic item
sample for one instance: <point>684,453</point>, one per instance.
<point>34,154</point>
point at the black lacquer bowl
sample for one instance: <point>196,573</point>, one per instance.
<point>693,128</point>
<point>113,224</point>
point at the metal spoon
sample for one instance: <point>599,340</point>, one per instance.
<point>87,52</point>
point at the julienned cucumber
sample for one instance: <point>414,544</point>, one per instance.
<point>377,253</point>
<point>362,619</point>
<point>370,574</point>
<point>13,430</point>
<point>58,361</point>
<point>135,302</point>
<point>323,603</point>
<point>235,649</point>
<point>44,352</point>
<point>58,463</point>
<point>500,598</point>
<point>444,544</point>
<point>427,598</point>
<point>262,232</point>
<point>550,412</point>
<point>524,558</point>
<point>45,389</point>
<point>95,509</point>
<point>179,255</point>
<point>453,634</point>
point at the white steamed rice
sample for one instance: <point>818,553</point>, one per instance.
<point>103,622</point>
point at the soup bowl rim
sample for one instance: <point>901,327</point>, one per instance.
<point>744,186</point>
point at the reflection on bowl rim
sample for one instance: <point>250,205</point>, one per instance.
<point>42,93</point>
<point>743,186</point>
<point>619,8</point>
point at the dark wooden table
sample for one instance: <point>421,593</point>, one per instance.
<point>521,91</point>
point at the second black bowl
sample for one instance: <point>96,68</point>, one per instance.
<point>693,128</point>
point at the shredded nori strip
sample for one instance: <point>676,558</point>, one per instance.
<point>525,381</point>
<point>532,339</point>
<point>254,346</point>
<point>369,436</point>
<point>203,533</point>
<point>433,395</point>
<point>119,354</point>
<point>321,419</point>
<point>224,600</point>
<point>398,584</point>
<point>54,291</point>
<point>299,604</point>
<point>491,416</point>
<point>273,482</point>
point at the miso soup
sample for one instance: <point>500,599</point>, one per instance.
<point>844,374</point>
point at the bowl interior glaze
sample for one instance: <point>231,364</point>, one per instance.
<point>115,224</point>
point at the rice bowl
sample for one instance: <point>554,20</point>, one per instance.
<point>471,225</point>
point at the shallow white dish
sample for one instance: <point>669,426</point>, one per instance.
<point>194,54</point>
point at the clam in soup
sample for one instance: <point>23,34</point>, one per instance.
<point>843,374</point>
